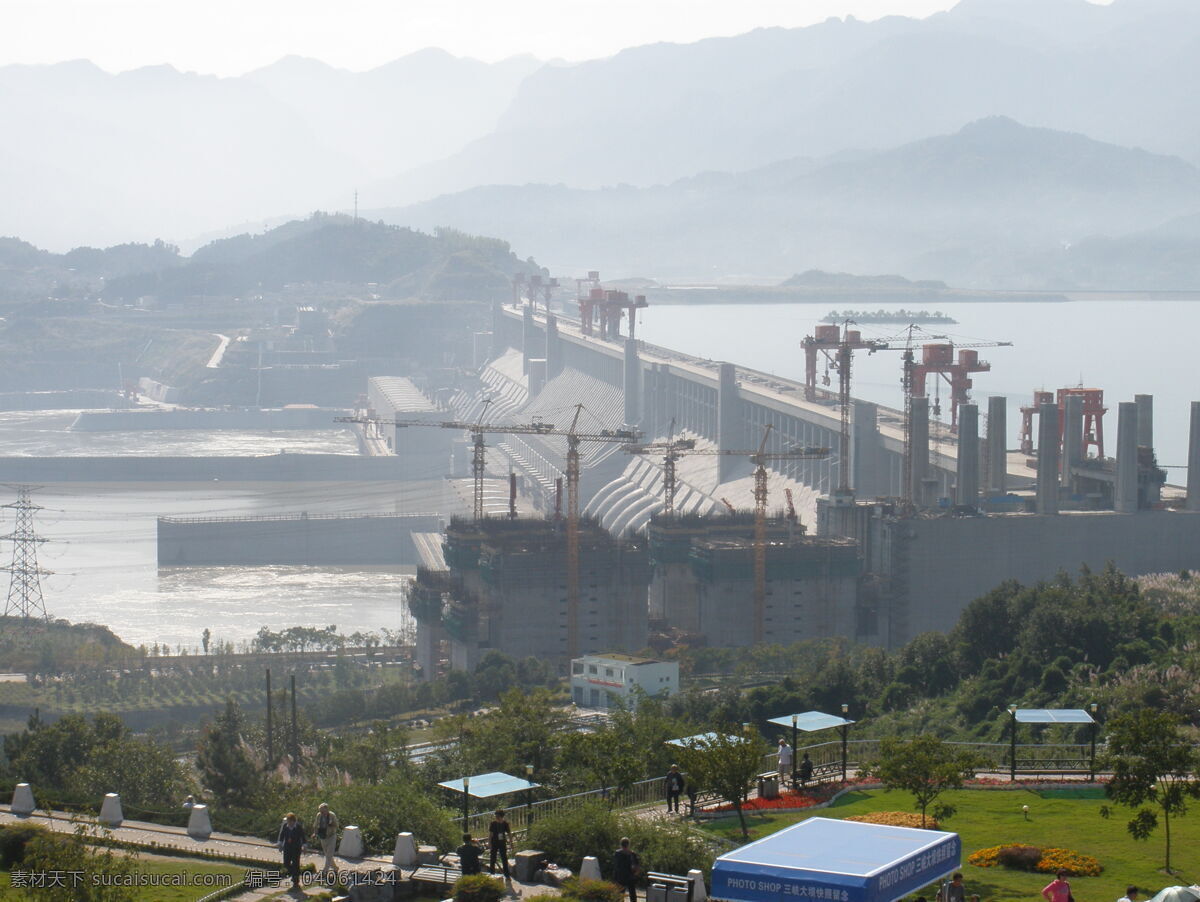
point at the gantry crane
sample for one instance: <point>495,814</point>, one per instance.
<point>675,448</point>
<point>574,439</point>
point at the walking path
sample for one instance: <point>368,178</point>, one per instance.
<point>249,850</point>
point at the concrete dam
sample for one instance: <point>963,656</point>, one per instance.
<point>267,468</point>
<point>293,539</point>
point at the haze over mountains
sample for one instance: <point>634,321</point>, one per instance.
<point>986,145</point>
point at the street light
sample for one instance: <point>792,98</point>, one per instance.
<point>529,797</point>
<point>795,749</point>
<point>845,736</point>
<point>466,802</point>
<point>1092,766</point>
<point>1012,739</point>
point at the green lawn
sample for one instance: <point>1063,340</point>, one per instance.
<point>199,871</point>
<point>1056,818</point>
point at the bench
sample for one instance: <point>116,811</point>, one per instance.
<point>700,799</point>
<point>436,875</point>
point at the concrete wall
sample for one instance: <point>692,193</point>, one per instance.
<point>943,564</point>
<point>273,468</point>
<point>299,540</point>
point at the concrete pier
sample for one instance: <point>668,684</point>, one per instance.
<point>1047,470</point>
<point>1072,442</point>
<point>554,362</point>
<point>1145,421</point>
<point>919,441</point>
<point>528,337</point>
<point>1193,473</point>
<point>865,478</point>
<point>730,435</point>
<point>632,383</point>
<point>967,484</point>
<point>997,445</point>
<point>1125,491</point>
<point>537,375</point>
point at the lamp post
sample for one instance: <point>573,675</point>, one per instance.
<point>1012,743</point>
<point>529,797</point>
<point>845,737</point>
<point>1092,766</point>
<point>795,749</point>
<point>466,802</point>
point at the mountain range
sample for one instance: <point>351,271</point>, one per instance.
<point>990,205</point>
<point>891,145</point>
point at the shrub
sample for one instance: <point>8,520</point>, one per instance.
<point>576,890</point>
<point>895,819</point>
<point>478,888</point>
<point>666,845</point>
<point>568,836</point>
<point>13,840</point>
<point>1019,858</point>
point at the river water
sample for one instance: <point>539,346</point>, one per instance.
<point>102,543</point>
<point>1124,347</point>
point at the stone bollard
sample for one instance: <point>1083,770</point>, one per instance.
<point>405,855</point>
<point>590,869</point>
<point>699,893</point>
<point>110,811</point>
<point>22,802</point>
<point>199,822</point>
<point>352,843</point>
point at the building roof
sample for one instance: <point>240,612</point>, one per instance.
<point>620,658</point>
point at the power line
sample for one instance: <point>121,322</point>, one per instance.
<point>25,586</point>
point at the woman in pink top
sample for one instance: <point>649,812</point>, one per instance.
<point>1058,890</point>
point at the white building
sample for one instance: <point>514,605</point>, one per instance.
<point>595,679</point>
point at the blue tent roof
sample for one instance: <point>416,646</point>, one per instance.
<point>484,786</point>
<point>700,739</point>
<point>841,861</point>
<point>1053,715</point>
<point>811,721</point>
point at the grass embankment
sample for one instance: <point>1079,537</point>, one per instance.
<point>1058,818</point>
<point>199,878</point>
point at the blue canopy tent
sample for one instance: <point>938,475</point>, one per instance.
<point>1049,716</point>
<point>811,722</point>
<point>487,786</point>
<point>840,861</point>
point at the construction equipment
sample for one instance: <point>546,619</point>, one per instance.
<point>574,439</point>
<point>673,449</point>
<point>938,358</point>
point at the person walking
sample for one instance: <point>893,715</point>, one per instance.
<point>470,856</point>
<point>498,833</point>
<point>674,786</point>
<point>325,829</point>
<point>1058,889</point>
<point>627,868</point>
<point>953,890</point>
<point>806,769</point>
<point>785,761</point>
<point>291,842</point>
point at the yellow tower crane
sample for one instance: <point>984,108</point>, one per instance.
<point>676,448</point>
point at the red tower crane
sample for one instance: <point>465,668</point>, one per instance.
<point>1093,417</point>
<point>938,359</point>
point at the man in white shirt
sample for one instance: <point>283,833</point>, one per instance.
<point>1131,894</point>
<point>785,761</point>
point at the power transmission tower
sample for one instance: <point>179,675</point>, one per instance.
<point>25,588</point>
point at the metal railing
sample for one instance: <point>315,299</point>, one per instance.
<point>1060,759</point>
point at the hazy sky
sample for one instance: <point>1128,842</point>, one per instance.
<point>229,37</point>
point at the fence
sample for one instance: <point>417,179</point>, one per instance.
<point>1056,759</point>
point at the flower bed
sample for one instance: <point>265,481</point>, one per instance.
<point>895,819</point>
<point>786,800</point>
<point>1031,858</point>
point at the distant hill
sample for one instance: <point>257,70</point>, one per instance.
<point>842,281</point>
<point>981,207</point>
<point>1122,73</point>
<point>336,249</point>
<point>90,156</point>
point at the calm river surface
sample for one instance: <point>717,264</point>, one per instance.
<point>1123,347</point>
<point>102,543</point>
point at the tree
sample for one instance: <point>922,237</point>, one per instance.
<point>926,767</point>
<point>726,764</point>
<point>224,761</point>
<point>1151,762</point>
<point>205,639</point>
<point>609,754</point>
